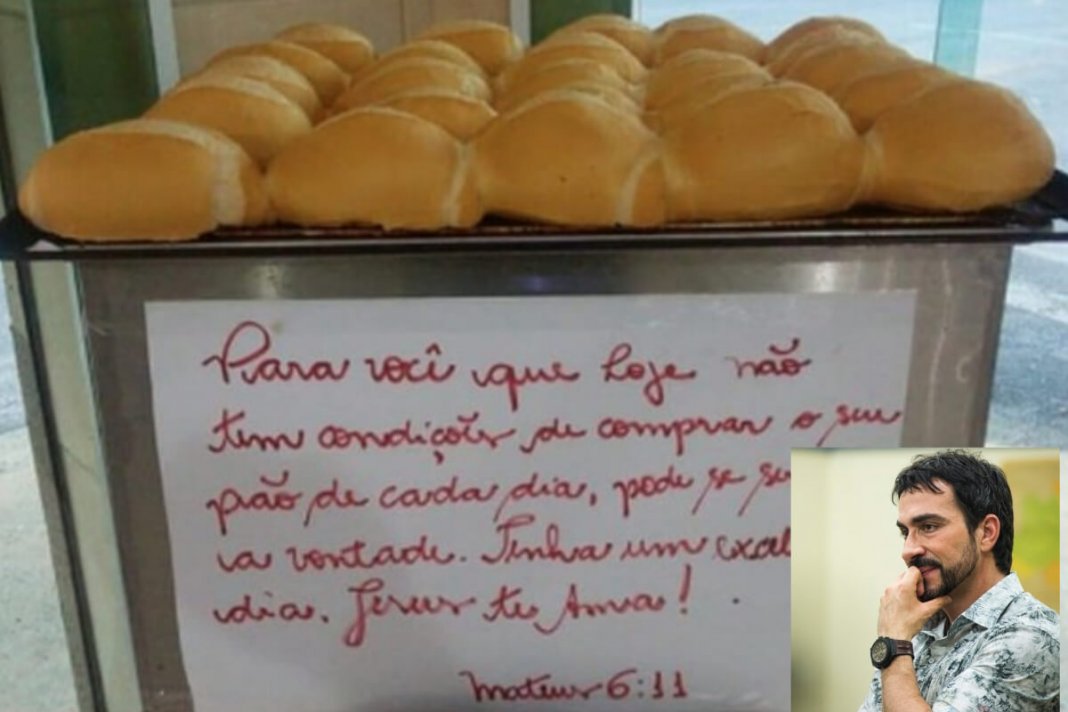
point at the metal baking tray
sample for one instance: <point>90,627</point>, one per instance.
<point>1031,220</point>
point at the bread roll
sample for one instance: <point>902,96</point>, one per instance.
<point>462,116</point>
<point>423,49</point>
<point>675,78</point>
<point>577,45</point>
<point>617,98</point>
<point>409,75</point>
<point>490,44</point>
<point>865,98</point>
<point>710,89</point>
<point>275,72</point>
<point>143,179</point>
<point>375,166</point>
<point>959,146</point>
<point>705,32</point>
<point>250,112</point>
<point>799,31</point>
<point>827,36</point>
<point>346,47</point>
<point>560,74</point>
<point>780,151</point>
<point>634,36</point>
<point>324,74</point>
<point>573,159</point>
<point>828,68</point>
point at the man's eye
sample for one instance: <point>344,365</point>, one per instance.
<point>928,528</point>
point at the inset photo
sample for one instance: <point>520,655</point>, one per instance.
<point>925,577</point>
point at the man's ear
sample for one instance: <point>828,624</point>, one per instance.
<point>988,532</point>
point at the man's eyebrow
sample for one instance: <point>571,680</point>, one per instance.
<point>923,519</point>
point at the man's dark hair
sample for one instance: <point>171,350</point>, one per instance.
<point>979,487</point>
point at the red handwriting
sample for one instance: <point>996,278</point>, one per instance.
<point>680,429</point>
<point>770,477</point>
<point>397,369</point>
<point>647,486</point>
<point>667,549</point>
<point>548,549</point>
<point>753,549</point>
<point>847,415</point>
<point>550,433</point>
<point>534,687</point>
<point>513,378</point>
<point>247,612</point>
<point>716,480</point>
<point>507,605</point>
<point>464,432</point>
<point>333,497</point>
<point>619,367</point>
<point>370,603</point>
<point>534,488</point>
<point>622,685</point>
<point>230,501</point>
<point>234,438</point>
<point>779,363</point>
<point>576,607</point>
<point>805,420</point>
<point>244,561</point>
<point>450,493</point>
<point>246,349</point>
<point>724,547</point>
<point>361,555</point>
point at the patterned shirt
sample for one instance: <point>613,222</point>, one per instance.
<point>1000,655</point>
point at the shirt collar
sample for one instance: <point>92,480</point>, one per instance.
<point>988,607</point>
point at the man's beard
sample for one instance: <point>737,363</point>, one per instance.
<point>951,577</point>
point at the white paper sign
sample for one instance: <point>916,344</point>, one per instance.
<point>530,503</point>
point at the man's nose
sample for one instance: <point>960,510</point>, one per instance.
<point>911,549</point>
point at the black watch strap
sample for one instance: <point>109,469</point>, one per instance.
<point>884,650</point>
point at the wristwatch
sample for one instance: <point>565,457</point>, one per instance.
<point>884,650</point>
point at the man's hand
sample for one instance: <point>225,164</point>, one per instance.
<point>901,613</point>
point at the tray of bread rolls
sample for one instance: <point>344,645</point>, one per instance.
<point>605,132</point>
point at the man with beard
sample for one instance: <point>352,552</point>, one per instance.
<point>957,632</point>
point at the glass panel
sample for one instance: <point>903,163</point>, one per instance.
<point>911,24</point>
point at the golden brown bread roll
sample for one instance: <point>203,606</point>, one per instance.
<point>961,145</point>
<point>254,114</point>
<point>324,74</point>
<point>375,166</point>
<point>705,32</point>
<point>710,89</point>
<point>346,47</point>
<point>576,45</point>
<point>462,116</point>
<point>674,78</point>
<point>560,74</point>
<point>865,98</point>
<point>799,32</point>
<point>409,75</point>
<point>780,151</point>
<point>820,38</point>
<point>634,36</point>
<point>618,98</point>
<point>828,68</point>
<point>570,158</point>
<point>428,49</point>
<point>275,72</point>
<point>491,44</point>
<point>143,179</point>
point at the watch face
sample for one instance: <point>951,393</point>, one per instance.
<point>879,651</point>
